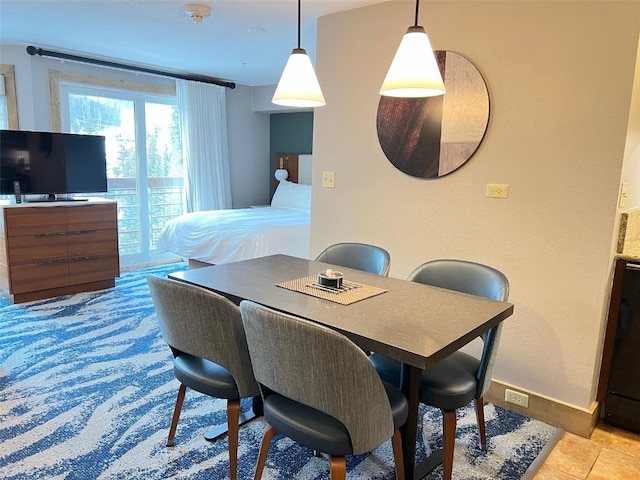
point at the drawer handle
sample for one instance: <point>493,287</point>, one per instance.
<point>68,260</point>
<point>50,234</point>
<point>51,262</point>
<point>73,232</point>
<point>82,259</point>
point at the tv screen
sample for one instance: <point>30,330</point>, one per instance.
<point>52,163</point>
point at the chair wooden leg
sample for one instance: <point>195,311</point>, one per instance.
<point>176,414</point>
<point>449,441</point>
<point>233,427</point>
<point>481,426</point>
<point>338,468</point>
<point>269,431</point>
<point>396,442</point>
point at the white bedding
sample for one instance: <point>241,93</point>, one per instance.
<point>222,236</point>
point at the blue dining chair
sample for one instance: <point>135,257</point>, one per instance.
<point>359,256</point>
<point>459,378</point>
<point>309,396</point>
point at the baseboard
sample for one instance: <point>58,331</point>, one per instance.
<point>580,421</point>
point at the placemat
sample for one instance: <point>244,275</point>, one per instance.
<point>350,292</point>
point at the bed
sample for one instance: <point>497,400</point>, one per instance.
<point>222,236</point>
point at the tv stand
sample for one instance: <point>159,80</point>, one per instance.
<point>55,249</point>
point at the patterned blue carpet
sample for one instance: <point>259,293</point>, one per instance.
<point>87,391</point>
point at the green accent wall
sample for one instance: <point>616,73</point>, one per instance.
<point>290,133</point>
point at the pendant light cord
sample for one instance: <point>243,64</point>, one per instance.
<point>299,23</point>
<point>417,8</point>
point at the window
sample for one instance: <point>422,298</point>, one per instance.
<point>144,157</point>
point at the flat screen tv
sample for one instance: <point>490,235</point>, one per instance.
<point>52,164</point>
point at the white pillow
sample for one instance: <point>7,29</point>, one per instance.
<point>292,195</point>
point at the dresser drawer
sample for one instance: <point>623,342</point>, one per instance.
<point>92,217</point>
<point>92,242</point>
<point>93,269</point>
<point>35,220</point>
<point>34,277</point>
<point>37,248</point>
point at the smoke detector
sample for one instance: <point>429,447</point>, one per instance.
<point>197,12</point>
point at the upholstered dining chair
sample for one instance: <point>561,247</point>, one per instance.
<point>359,256</point>
<point>309,395</point>
<point>205,333</point>
<point>460,378</point>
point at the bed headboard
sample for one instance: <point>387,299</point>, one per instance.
<point>298,166</point>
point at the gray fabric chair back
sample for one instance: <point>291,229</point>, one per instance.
<point>359,256</point>
<point>204,324</point>
<point>321,368</point>
<point>475,279</point>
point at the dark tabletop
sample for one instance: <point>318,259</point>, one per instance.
<point>411,322</point>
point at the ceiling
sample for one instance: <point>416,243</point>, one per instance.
<point>247,42</point>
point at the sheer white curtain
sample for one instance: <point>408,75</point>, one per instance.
<point>203,118</point>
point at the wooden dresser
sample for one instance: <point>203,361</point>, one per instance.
<point>58,248</point>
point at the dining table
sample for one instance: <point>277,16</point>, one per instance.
<point>413,323</point>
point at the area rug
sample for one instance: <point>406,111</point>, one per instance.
<point>87,391</point>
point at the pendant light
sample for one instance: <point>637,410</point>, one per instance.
<point>298,85</point>
<point>414,71</point>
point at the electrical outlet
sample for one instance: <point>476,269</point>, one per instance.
<point>328,179</point>
<point>517,398</point>
<point>497,190</point>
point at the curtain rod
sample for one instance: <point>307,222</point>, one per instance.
<point>31,50</point>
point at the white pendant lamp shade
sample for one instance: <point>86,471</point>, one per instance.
<point>298,85</point>
<point>414,71</point>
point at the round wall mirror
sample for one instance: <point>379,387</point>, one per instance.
<point>434,136</point>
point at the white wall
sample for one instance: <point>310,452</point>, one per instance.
<point>560,78</point>
<point>248,149</point>
<point>18,57</point>
<point>248,131</point>
<point>631,166</point>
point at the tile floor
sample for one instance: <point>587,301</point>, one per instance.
<point>610,454</point>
